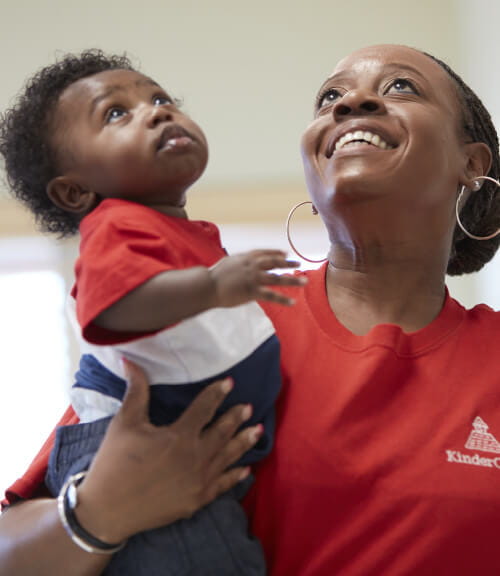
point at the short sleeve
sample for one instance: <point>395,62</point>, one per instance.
<point>122,246</point>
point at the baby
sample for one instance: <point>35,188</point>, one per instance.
<point>94,145</point>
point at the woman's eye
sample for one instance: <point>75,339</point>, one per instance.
<point>162,100</point>
<point>328,97</point>
<point>401,86</point>
<point>114,114</point>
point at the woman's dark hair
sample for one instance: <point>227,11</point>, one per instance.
<point>481,213</point>
<point>26,138</point>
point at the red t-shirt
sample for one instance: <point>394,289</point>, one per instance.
<point>386,459</point>
<point>387,455</point>
<point>122,245</point>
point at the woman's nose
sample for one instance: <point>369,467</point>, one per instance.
<point>358,102</point>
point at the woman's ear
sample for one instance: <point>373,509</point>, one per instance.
<point>478,156</point>
<point>70,196</point>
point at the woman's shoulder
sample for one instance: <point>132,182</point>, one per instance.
<point>483,317</point>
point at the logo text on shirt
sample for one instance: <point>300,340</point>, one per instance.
<point>479,439</point>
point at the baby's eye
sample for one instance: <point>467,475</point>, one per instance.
<point>328,97</point>
<point>162,100</point>
<point>401,86</point>
<point>114,114</point>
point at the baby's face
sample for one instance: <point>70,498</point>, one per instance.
<point>119,134</point>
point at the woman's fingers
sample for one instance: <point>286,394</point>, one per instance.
<point>202,409</point>
<point>218,435</point>
<point>233,450</point>
<point>224,475</point>
<point>272,296</point>
<point>227,481</point>
<point>269,259</point>
<point>145,476</point>
<point>134,408</point>
<point>220,445</point>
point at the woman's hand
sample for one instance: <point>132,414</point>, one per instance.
<point>142,477</point>
<point>145,476</point>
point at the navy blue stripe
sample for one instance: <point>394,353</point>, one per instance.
<point>257,381</point>
<point>93,375</point>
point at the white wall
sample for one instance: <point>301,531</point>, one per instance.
<point>248,70</point>
<point>479,53</point>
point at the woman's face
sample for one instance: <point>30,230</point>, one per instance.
<point>387,126</point>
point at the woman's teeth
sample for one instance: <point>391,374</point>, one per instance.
<point>362,136</point>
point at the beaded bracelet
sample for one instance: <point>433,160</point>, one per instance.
<point>67,501</point>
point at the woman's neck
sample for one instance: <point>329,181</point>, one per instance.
<point>364,294</point>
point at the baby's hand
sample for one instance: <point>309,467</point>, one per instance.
<point>244,277</point>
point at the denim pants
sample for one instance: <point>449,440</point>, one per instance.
<point>214,542</point>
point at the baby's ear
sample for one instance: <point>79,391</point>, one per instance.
<point>70,196</point>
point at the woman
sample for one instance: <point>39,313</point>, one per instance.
<point>385,459</point>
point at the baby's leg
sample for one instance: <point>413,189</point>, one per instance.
<point>74,449</point>
<point>214,542</point>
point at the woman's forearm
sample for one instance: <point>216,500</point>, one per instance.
<point>142,477</point>
<point>34,542</point>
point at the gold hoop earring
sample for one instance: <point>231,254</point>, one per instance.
<point>477,185</point>
<point>292,245</point>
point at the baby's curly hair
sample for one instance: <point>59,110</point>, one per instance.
<point>26,138</point>
<point>481,213</point>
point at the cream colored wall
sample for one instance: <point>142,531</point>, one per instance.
<point>247,71</point>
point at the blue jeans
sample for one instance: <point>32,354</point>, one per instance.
<point>214,542</point>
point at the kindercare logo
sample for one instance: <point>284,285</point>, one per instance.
<point>479,439</point>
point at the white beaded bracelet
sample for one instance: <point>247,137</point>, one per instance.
<point>67,501</point>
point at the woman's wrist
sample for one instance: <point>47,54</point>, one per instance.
<point>96,516</point>
<point>68,501</point>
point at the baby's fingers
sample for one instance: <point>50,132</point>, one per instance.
<point>272,296</point>
<point>287,263</point>
<point>271,279</point>
<point>271,261</point>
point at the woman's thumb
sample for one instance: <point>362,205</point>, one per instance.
<point>135,405</point>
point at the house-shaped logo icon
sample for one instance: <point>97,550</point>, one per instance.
<point>481,439</point>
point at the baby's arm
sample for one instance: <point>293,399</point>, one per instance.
<point>175,295</point>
